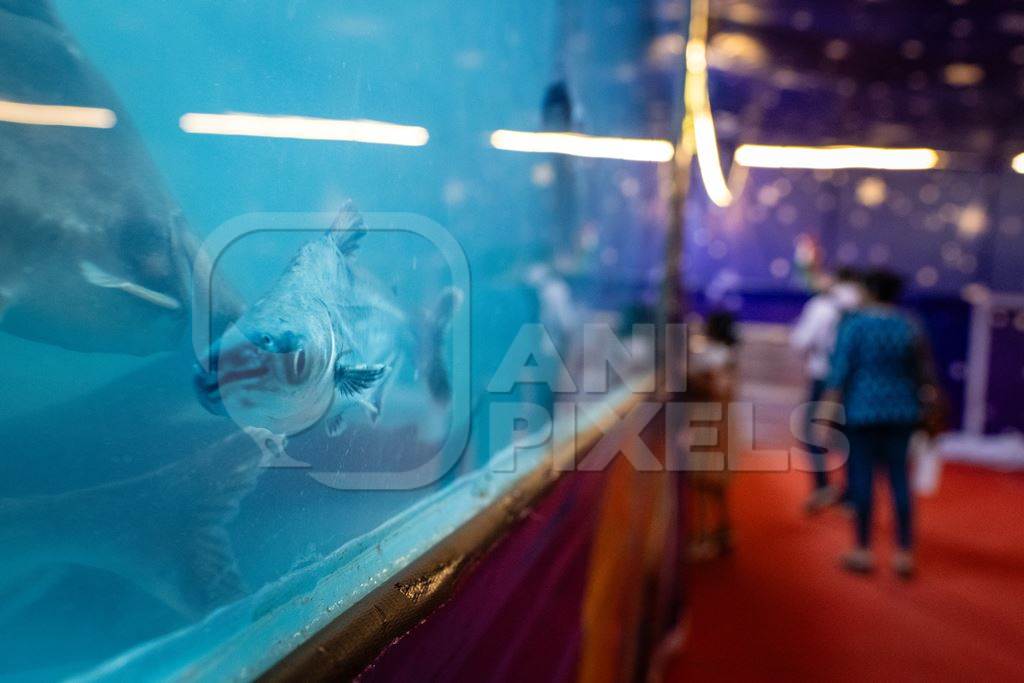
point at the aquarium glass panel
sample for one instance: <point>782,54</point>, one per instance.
<point>265,270</point>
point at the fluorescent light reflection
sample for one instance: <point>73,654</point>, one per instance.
<point>831,158</point>
<point>579,145</point>
<point>698,107</point>
<point>56,115</point>
<point>1018,163</point>
<point>305,128</point>
<point>709,160</point>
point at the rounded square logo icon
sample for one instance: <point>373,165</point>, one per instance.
<point>353,359</point>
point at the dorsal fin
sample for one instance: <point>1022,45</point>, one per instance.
<point>347,229</point>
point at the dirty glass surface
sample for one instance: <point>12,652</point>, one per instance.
<point>259,261</point>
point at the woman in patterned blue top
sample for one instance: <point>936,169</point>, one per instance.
<point>878,371</point>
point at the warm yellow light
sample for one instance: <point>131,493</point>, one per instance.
<point>736,52</point>
<point>696,55</point>
<point>872,191</point>
<point>579,145</point>
<point>771,156</point>
<point>1018,163</point>
<point>698,108</point>
<point>709,159</point>
<point>56,115</point>
<point>305,128</point>
<point>963,75</point>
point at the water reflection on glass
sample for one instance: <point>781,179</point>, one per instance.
<point>155,501</point>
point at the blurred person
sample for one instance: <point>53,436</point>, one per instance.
<point>814,336</point>
<point>711,377</point>
<point>879,371</point>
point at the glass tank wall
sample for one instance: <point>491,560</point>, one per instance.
<point>259,261</point>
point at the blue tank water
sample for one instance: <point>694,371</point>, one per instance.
<point>157,498</point>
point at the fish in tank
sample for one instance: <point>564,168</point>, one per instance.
<point>185,423</point>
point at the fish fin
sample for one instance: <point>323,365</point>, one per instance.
<point>335,426</point>
<point>95,275</point>
<point>371,405</point>
<point>273,448</point>
<point>211,488</point>
<point>192,500</point>
<point>347,230</point>
<point>355,379</point>
<point>438,320</point>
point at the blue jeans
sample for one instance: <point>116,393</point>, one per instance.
<point>884,445</point>
<point>815,453</point>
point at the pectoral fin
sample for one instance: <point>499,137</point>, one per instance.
<point>273,448</point>
<point>355,379</point>
<point>335,426</point>
<point>370,405</point>
<point>95,275</point>
<point>371,401</point>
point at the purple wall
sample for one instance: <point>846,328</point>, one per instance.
<point>517,615</point>
<point>1005,409</point>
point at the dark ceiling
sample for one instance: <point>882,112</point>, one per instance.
<point>941,73</point>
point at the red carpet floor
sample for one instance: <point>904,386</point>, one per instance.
<point>780,609</point>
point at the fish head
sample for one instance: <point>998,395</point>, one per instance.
<point>273,369</point>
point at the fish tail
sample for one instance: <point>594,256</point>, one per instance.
<point>438,321</point>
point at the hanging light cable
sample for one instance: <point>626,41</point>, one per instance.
<point>698,135</point>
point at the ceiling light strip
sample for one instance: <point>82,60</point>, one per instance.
<point>305,128</point>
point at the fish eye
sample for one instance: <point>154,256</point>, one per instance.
<point>298,366</point>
